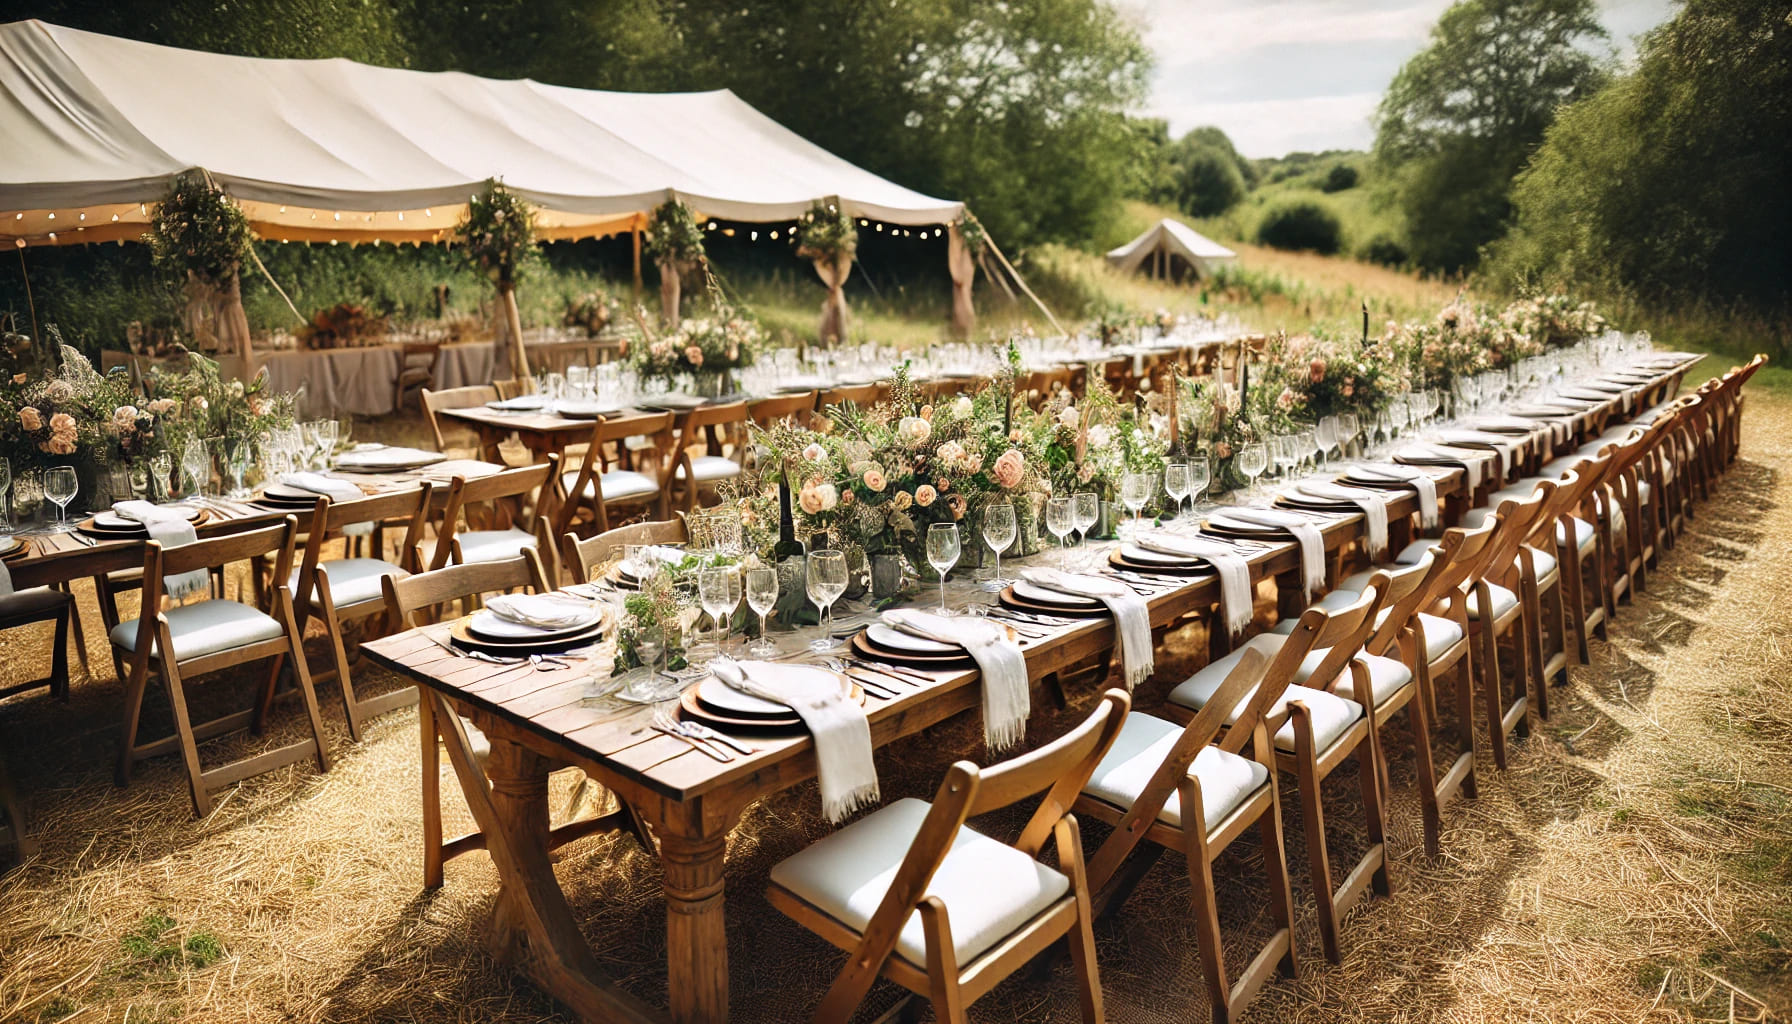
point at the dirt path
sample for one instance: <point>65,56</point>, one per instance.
<point>1634,864</point>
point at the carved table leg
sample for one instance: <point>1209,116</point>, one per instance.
<point>696,935</point>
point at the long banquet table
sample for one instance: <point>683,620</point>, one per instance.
<point>541,721</point>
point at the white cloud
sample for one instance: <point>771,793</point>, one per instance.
<point>1274,127</point>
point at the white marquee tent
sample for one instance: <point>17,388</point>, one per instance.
<point>1166,242</point>
<point>95,126</point>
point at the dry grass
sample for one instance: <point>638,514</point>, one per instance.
<point>1635,864</point>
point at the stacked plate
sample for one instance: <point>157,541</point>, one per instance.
<point>715,703</point>
<point>1027,597</point>
<point>1139,559</point>
<point>13,549</point>
<point>286,498</point>
<point>1388,477</point>
<point>486,631</point>
<point>1321,497</point>
<point>113,526</point>
<point>379,458</point>
<point>1275,523</point>
<point>521,403</point>
<point>887,643</point>
<point>579,410</point>
<point>671,403</point>
<point>1514,425</point>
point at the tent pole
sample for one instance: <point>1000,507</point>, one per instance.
<point>1023,287</point>
<point>30,303</point>
<point>635,233</point>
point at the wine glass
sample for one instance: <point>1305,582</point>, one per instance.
<point>328,432</point>
<point>1309,447</point>
<point>1087,509</point>
<point>999,529</point>
<point>1200,474</point>
<point>1253,459</point>
<point>1135,490</point>
<point>1326,433</point>
<point>5,488</point>
<point>161,469</point>
<point>1282,453</point>
<point>1348,428</point>
<point>826,577</point>
<point>762,597</point>
<point>719,591</point>
<point>942,554</point>
<point>195,467</point>
<point>1176,484</point>
<point>1060,519</point>
<point>60,486</point>
<point>236,461</point>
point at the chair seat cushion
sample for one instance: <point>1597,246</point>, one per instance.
<point>493,545</point>
<point>618,485</point>
<point>989,888</point>
<point>1387,677</point>
<point>1584,537</point>
<point>1414,553</point>
<point>1441,634</point>
<point>1503,601</point>
<point>207,627</point>
<point>1331,715</point>
<point>1143,743</point>
<point>34,601</point>
<point>1543,561</point>
<point>353,580</point>
<point>710,467</point>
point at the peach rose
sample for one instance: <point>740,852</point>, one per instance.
<point>1010,468</point>
<point>874,480</point>
<point>694,355</point>
<point>30,418</point>
<point>59,445</point>
<point>811,499</point>
<point>164,406</point>
<point>63,425</point>
<point>125,417</point>
<point>815,452</point>
<point>975,465</point>
<point>927,413</point>
<point>1316,371</point>
<point>925,494</point>
<point>902,501</point>
<point>951,453</point>
<point>913,430</point>
<point>956,503</point>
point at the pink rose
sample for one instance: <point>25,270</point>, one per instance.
<point>125,417</point>
<point>1010,468</point>
<point>59,445</point>
<point>951,453</point>
<point>1222,450</point>
<point>925,494</point>
<point>809,498</point>
<point>30,418</point>
<point>1285,400</point>
<point>62,425</point>
<point>874,480</point>
<point>1316,372</point>
<point>694,355</point>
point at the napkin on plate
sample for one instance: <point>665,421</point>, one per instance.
<point>338,491</point>
<point>1311,541</point>
<point>1007,698</point>
<point>170,528</point>
<point>843,764</point>
<point>1374,506</point>
<point>543,611</point>
<point>1413,477</point>
<point>1428,454</point>
<point>1236,593</point>
<point>1132,616</point>
<point>1480,440</point>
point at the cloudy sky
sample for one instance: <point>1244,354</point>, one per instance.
<point>1284,75</point>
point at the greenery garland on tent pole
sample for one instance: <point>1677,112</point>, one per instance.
<point>675,243</point>
<point>827,237</point>
<point>497,237</point>
<point>201,235</point>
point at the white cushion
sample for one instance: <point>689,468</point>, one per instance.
<point>1542,561</point>
<point>1331,715</point>
<point>618,484</point>
<point>1584,537</point>
<point>1441,634</point>
<point>1330,601</point>
<point>1503,601</point>
<point>1414,553</point>
<point>989,888</point>
<point>493,545</point>
<point>1138,752</point>
<point>1387,677</point>
<point>709,467</point>
<point>1555,468</point>
<point>353,580</point>
<point>206,628</point>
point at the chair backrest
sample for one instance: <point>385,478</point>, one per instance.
<point>861,395</point>
<point>1059,769</point>
<point>796,409</point>
<point>1473,544</point>
<point>1404,591</point>
<point>419,355</point>
<point>275,538</point>
<point>508,389</point>
<point>603,433</point>
<point>581,556</point>
<point>469,397</point>
<point>1518,517</point>
<point>516,484</point>
<point>327,519</point>
<point>405,596</point>
<point>700,427</point>
<point>1339,632</point>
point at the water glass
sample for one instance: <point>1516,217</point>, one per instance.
<point>1060,519</point>
<point>762,597</point>
<point>999,530</point>
<point>719,591</point>
<point>1253,459</point>
<point>942,554</point>
<point>1200,474</point>
<point>195,467</point>
<point>1086,508</point>
<point>1176,484</point>
<point>1135,490</point>
<point>826,579</point>
<point>60,486</point>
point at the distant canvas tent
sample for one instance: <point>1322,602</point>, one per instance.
<point>1171,250</point>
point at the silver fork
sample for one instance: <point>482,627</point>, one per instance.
<point>664,722</point>
<point>704,732</point>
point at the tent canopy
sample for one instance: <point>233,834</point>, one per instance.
<point>1172,238</point>
<point>96,126</point>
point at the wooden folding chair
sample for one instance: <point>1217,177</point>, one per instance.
<point>581,557</point>
<point>915,896</point>
<point>797,408</point>
<point>600,483</point>
<point>1160,779</point>
<point>861,395</point>
<point>1314,732</point>
<point>453,439</point>
<point>186,641</point>
<point>43,604</point>
<point>344,590</point>
<point>718,433</point>
<point>495,507</point>
<point>1495,611</point>
<point>15,828</point>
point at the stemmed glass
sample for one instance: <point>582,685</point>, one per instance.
<point>195,466</point>
<point>1086,507</point>
<point>999,529</point>
<point>719,591</point>
<point>1309,447</point>
<point>5,487</point>
<point>60,486</point>
<point>1176,484</point>
<point>1135,490</point>
<point>1060,519</point>
<point>1348,428</point>
<point>327,433</point>
<point>826,577</point>
<point>236,461</point>
<point>762,596</point>
<point>1282,453</point>
<point>1200,474</point>
<point>1253,459</point>
<point>942,554</point>
<point>1326,433</point>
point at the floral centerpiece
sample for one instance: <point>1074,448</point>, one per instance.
<point>497,238</point>
<point>591,312</point>
<point>1344,376</point>
<point>709,349</point>
<point>1091,443</point>
<point>1553,321</point>
<point>1217,427</point>
<point>199,402</point>
<point>343,325</point>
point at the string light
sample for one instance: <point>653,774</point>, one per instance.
<point>18,216</point>
<point>20,242</point>
<point>52,215</point>
<point>864,223</point>
<point>401,215</point>
<point>338,216</point>
<point>774,236</point>
<point>753,236</point>
<point>711,226</point>
<point>427,212</point>
<point>82,217</point>
<point>880,225</point>
<point>52,236</point>
<point>282,209</point>
<point>115,218</point>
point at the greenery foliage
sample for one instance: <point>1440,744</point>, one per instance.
<point>1208,182</point>
<point>1339,178</point>
<point>497,236</point>
<point>672,236</point>
<point>1301,225</point>
<point>826,233</point>
<point>198,230</point>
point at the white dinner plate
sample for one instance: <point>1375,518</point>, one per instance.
<point>1046,595</point>
<point>720,695</point>
<point>488,623</point>
<point>521,403</point>
<point>114,521</point>
<point>894,639</point>
<point>1238,525</point>
<point>1145,556</point>
<point>381,459</point>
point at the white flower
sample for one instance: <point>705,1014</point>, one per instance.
<point>814,453</point>
<point>961,406</point>
<point>913,430</point>
<point>1099,435</point>
<point>1068,417</point>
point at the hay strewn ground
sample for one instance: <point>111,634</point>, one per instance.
<point>1635,863</point>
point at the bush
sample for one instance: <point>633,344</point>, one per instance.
<point>1339,178</point>
<point>1385,250</point>
<point>1301,225</point>
<point>1209,183</point>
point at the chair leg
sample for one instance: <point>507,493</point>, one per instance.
<point>1275,865</point>
<point>137,680</point>
<point>59,658</point>
<point>1488,651</point>
<point>307,693</point>
<point>333,628</point>
<point>1082,934</point>
<point>1418,713</point>
<point>432,791</point>
<point>1313,821</point>
<point>189,749</point>
<point>1207,923</point>
<point>1376,813</point>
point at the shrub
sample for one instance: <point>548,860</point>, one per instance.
<point>1339,178</point>
<point>1301,225</point>
<point>1209,183</point>
<point>1385,250</point>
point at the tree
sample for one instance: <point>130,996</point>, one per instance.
<point>1208,183</point>
<point>1461,117</point>
<point>1302,224</point>
<point>1671,182</point>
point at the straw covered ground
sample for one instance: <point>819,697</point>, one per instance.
<point>1634,864</point>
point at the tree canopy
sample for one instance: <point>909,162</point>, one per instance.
<point>1460,118</point>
